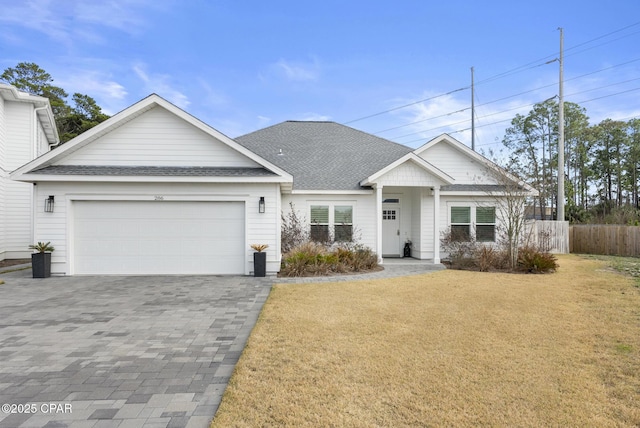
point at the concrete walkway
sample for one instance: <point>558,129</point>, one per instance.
<point>130,351</point>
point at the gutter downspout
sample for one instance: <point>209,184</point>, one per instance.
<point>35,130</point>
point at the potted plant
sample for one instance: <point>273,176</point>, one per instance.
<point>41,259</point>
<point>259,260</point>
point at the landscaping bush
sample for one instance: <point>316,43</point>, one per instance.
<point>534,261</point>
<point>467,254</point>
<point>461,249</point>
<point>488,258</point>
<point>314,259</point>
<point>293,231</point>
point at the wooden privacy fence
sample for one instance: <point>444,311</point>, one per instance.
<point>552,236</point>
<point>606,239</point>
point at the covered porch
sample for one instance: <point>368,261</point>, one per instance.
<point>407,195</point>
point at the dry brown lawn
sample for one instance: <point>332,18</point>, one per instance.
<point>451,348</point>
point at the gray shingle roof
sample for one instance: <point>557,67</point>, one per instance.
<point>323,155</point>
<point>158,171</point>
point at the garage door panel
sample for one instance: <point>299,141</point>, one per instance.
<point>143,237</point>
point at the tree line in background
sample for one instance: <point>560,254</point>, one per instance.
<point>601,163</point>
<point>71,119</point>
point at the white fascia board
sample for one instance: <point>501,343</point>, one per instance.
<point>475,193</point>
<point>332,192</point>
<point>35,178</point>
<point>411,157</point>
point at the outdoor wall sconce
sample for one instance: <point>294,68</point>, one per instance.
<point>48,204</point>
<point>261,205</point>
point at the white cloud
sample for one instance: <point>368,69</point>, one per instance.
<point>263,121</point>
<point>451,114</point>
<point>159,84</point>
<point>109,94</point>
<point>315,117</point>
<point>297,71</point>
<point>73,20</point>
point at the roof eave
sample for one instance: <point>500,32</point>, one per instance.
<point>412,157</point>
<point>35,178</point>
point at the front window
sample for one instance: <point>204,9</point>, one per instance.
<point>485,224</point>
<point>343,223</point>
<point>319,223</point>
<point>460,223</point>
<point>484,227</point>
<point>331,221</point>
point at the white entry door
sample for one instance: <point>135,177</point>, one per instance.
<point>149,237</point>
<point>390,230</point>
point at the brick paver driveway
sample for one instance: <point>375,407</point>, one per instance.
<point>121,351</point>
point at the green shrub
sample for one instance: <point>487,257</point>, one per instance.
<point>534,261</point>
<point>313,259</point>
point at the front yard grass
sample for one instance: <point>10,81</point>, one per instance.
<point>451,348</point>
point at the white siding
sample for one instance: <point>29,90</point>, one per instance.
<point>42,144</point>
<point>158,138</point>
<point>3,136</point>
<point>3,179</point>
<point>364,211</point>
<point>408,174</point>
<point>458,165</point>
<point>17,148</point>
<point>19,125</point>
<point>57,226</point>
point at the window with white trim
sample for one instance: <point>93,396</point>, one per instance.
<point>319,223</point>
<point>343,223</point>
<point>486,224</point>
<point>460,223</point>
<point>468,220</point>
<point>331,218</point>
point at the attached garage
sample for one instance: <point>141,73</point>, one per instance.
<point>158,237</point>
<point>155,191</point>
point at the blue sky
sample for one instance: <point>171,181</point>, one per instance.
<point>242,65</point>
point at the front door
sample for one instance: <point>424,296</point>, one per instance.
<point>391,230</point>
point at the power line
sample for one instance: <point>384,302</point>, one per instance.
<point>515,95</point>
<point>507,120</point>
<point>528,66</point>
<point>423,120</point>
<point>406,105</point>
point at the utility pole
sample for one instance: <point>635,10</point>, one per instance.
<point>560,210</point>
<point>473,115</point>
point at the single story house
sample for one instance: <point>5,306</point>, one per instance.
<point>153,190</point>
<point>27,130</point>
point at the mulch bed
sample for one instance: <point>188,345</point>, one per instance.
<point>13,262</point>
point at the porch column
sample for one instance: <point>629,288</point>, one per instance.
<point>379,222</point>
<point>436,224</point>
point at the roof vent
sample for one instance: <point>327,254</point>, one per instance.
<point>280,152</point>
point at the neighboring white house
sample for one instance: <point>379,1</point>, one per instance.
<point>27,129</point>
<point>153,190</point>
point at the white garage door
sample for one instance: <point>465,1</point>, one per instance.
<point>158,237</point>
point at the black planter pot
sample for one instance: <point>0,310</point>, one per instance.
<point>41,265</point>
<point>260,264</point>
